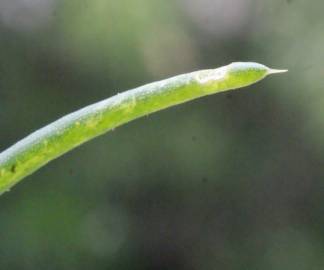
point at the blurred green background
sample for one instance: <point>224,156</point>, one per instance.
<point>231,181</point>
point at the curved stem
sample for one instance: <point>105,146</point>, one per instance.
<point>53,140</point>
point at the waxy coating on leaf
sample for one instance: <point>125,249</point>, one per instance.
<point>61,136</point>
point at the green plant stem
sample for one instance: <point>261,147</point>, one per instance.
<point>53,140</point>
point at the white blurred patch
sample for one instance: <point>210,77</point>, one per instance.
<point>105,230</point>
<point>220,18</point>
<point>168,51</point>
<point>26,15</point>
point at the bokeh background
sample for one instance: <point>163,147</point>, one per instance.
<point>231,181</point>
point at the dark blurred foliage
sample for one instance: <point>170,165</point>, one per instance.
<point>231,181</point>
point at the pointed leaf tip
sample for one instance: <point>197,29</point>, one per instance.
<point>275,71</point>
